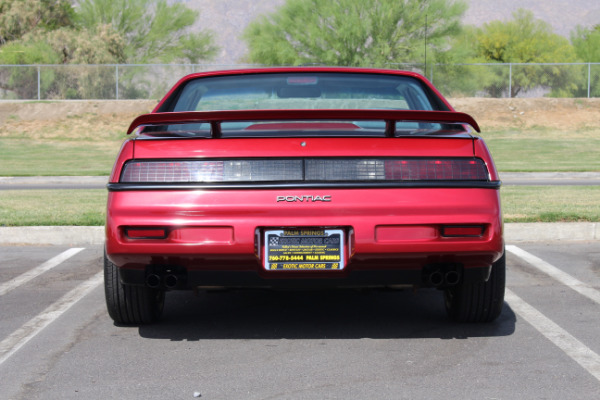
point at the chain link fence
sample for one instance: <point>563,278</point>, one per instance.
<point>120,82</point>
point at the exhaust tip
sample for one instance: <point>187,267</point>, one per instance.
<point>452,278</point>
<point>170,281</point>
<point>153,281</point>
<point>436,278</point>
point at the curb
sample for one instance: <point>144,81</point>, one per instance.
<point>52,235</point>
<point>94,235</point>
<point>551,231</point>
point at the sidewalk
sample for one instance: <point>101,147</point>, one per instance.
<point>94,235</point>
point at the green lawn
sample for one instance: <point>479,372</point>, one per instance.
<point>87,207</point>
<point>545,151</point>
<point>550,203</point>
<point>535,150</point>
<point>55,152</point>
<point>52,207</point>
<point>26,157</point>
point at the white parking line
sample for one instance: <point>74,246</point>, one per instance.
<point>579,352</point>
<point>21,336</point>
<point>556,273</point>
<point>40,269</point>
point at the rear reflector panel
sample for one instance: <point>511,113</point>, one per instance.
<point>463,231</point>
<point>146,233</point>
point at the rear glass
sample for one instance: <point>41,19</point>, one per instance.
<point>303,90</point>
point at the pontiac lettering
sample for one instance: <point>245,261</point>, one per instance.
<point>304,198</point>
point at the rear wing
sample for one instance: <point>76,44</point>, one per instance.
<point>215,118</point>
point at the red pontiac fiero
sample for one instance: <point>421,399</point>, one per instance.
<point>304,178</point>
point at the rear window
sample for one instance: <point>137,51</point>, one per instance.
<point>303,91</point>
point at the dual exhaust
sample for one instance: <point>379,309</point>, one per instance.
<point>441,278</point>
<point>156,281</point>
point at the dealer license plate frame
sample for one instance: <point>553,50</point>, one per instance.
<point>304,249</point>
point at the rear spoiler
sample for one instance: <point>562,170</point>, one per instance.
<point>215,118</point>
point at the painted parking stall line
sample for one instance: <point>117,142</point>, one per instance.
<point>579,352</point>
<point>560,276</point>
<point>21,336</point>
<point>37,271</point>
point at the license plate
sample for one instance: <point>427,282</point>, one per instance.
<point>304,249</point>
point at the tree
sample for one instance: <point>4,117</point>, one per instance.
<point>100,45</point>
<point>19,17</point>
<point>524,39</point>
<point>45,32</point>
<point>153,30</point>
<point>353,32</point>
<point>586,42</point>
<point>449,69</point>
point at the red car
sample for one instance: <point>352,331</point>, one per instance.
<point>303,178</point>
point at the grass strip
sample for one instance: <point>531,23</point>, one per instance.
<point>524,152</point>
<point>550,203</point>
<point>61,153</point>
<point>20,157</point>
<point>53,207</point>
<point>87,207</point>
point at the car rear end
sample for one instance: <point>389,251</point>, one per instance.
<point>302,199</point>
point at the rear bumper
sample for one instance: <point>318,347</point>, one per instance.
<point>393,236</point>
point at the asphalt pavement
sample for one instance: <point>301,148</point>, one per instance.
<point>58,342</point>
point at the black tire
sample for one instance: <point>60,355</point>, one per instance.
<point>128,304</point>
<point>481,301</point>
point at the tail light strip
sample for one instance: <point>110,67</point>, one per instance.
<point>306,170</point>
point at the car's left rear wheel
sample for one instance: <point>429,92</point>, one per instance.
<point>478,301</point>
<point>129,304</point>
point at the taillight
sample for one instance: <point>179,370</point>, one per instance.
<point>462,230</point>
<point>432,169</point>
<point>307,170</point>
<point>213,171</point>
<point>146,233</point>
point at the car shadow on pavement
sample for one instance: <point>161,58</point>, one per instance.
<point>338,314</point>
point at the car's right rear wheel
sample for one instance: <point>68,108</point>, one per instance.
<point>128,304</point>
<point>479,301</point>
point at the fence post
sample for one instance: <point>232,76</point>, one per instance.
<point>589,79</point>
<point>117,81</point>
<point>510,80</point>
<point>431,72</point>
<point>39,90</point>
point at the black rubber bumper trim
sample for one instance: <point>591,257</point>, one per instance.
<point>118,187</point>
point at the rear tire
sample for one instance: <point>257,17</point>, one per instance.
<point>128,304</point>
<point>480,301</point>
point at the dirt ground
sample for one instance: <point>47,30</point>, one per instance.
<point>557,114</point>
<point>567,114</point>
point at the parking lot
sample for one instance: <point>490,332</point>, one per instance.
<point>57,341</point>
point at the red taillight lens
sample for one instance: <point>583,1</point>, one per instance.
<point>463,231</point>
<point>433,170</point>
<point>146,233</point>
